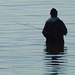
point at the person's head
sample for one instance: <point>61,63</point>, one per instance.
<point>53,12</point>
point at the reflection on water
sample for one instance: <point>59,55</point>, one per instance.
<point>55,61</point>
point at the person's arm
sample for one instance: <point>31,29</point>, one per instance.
<point>64,32</point>
<point>44,32</point>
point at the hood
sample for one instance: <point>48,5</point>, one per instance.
<point>52,19</point>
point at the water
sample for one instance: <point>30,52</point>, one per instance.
<point>22,47</point>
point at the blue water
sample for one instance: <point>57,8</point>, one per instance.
<point>22,47</point>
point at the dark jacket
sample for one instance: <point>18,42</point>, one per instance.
<point>54,30</point>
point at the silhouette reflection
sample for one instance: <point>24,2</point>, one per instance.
<point>55,59</point>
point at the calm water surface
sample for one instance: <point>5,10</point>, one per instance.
<point>22,47</point>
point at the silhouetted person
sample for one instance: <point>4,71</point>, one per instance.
<point>53,31</point>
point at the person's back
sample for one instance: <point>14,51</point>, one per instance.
<point>54,29</point>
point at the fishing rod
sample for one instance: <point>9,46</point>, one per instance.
<point>27,25</point>
<point>32,27</point>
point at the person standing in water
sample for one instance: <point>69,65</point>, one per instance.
<point>54,30</point>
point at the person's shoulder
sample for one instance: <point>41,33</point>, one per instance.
<point>48,20</point>
<point>59,20</point>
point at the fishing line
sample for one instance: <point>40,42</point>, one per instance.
<point>27,25</point>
